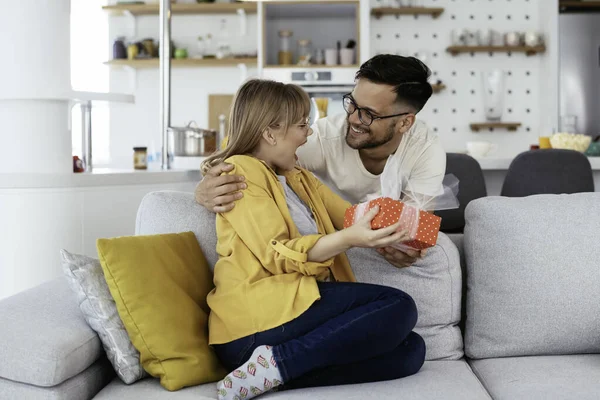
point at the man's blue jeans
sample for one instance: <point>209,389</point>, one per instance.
<point>355,333</point>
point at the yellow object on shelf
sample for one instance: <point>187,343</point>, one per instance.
<point>322,104</point>
<point>544,142</point>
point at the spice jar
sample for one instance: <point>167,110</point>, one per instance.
<point>140,160</point>
<point>304,52</point>
<point>285,52</point>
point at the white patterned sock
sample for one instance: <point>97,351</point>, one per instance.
<point>258,375</point>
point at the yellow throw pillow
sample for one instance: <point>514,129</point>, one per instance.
<point>160,283</point>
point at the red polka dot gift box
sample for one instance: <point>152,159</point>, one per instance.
<point>422,226</point>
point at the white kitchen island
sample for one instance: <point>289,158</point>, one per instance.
<point>43,213</point>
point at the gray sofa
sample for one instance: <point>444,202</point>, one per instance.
<point>530,312</point>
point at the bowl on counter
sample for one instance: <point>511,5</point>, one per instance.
<point>593,150</point>
<point>570,141</point>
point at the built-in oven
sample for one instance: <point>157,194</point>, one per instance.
<point>324,86</point>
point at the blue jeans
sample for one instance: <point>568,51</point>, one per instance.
<point>355,333</point>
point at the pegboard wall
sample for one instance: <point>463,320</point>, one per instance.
<point>450,112</point>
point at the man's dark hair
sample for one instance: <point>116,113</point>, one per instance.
<point>407,75</point>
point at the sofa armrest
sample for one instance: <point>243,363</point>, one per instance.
<point>44,339</point>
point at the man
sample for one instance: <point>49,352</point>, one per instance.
<point>349,151</point>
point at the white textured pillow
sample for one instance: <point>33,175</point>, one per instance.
<point>86,279</point>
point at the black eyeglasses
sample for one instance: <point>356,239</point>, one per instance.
<point>364,116</point>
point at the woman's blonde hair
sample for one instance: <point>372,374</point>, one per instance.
<point>259,104</point>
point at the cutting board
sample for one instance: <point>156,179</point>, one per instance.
<point>218,104</point>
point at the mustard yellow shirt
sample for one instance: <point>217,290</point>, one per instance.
<point>263,278</point>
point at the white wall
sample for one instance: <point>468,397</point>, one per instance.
<point>451,111</point>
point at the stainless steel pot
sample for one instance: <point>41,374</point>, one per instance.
<point>191,141</point>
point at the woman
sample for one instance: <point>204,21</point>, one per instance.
<point>286,311</point>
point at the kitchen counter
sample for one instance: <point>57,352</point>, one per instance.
<point>491,164</point>
<point>98,177</point>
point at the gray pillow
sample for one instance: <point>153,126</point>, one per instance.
<point>86,279</point>
<point>434,282</point>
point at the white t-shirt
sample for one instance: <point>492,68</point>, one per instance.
<point>326,154</point>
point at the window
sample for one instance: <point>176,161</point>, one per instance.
<point>89,41</point>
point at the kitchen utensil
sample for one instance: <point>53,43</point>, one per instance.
<point>471,38</point>
<point>119,50</point>
<point>346,56</point>
<point>512,39</point>
<point>480,148</point>
<point>484,37</point>
<point>568,123</point>
<point>331,56</point>
<point>148,47</point>
<point>132,51</point>
<point>496,38</point>
<point>459,37</point>
<point>320,56</point>
<point>191,141</point>
<point>532,39</point>
<point>493,94</point>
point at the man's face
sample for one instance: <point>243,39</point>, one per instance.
<point>379,100</point>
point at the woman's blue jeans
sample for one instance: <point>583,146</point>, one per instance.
<point>355,333</point>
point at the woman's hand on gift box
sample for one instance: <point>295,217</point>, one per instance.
<point>362,235</point>
<point>401,259</point>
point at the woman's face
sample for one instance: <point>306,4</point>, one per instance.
<point>283,153</point>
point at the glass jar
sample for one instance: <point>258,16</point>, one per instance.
<point>140,160</point>
<point>304,52</point>
<point>285,52</point>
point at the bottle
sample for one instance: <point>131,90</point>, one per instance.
<point>223,42</point>
<point>119,50</point>
<point>140,160</point>
<point>304,52</point>
<point>285,52</point>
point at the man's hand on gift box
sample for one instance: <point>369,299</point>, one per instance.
<point>401,259</point>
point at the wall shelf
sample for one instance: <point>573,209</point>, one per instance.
<point>145,63</point>
<point>438,87</point>
<point>578,6</point>
<point>381,11</point>
<point>455,50</point>
<point>320,66</point>
<point>200,8</point>
<point>510,126</point>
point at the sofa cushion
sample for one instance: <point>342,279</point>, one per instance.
<point>448,380</point>
<point>575,377</point>
<point>45,339</point>
<point>435,284</point>
<point>173,212</point>
<point>82,386</point>
<point>160,284</point>
<point>86,279</point>
<point>533,275</point>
